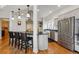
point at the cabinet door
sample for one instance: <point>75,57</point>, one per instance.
<point>43,42</point>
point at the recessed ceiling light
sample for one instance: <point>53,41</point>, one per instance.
<point>50,11</point>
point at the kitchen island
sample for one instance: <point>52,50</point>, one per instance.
<point>43,41</point>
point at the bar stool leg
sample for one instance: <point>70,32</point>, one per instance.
<point>21,45</point>
<point>18,44</point>
<point>26,49</point>
<point>9,41</point>
<point>15,43</point>
<point>12,42</point>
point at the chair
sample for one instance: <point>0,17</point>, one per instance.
<point>22,41</point>
<point>16,39</point>
<point>26,41</point>
<point>11,38</point>
<point>29,41</point>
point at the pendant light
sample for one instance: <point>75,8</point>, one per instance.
<point>19,16</point>
<point>12,15</point>
<point>28,14</point>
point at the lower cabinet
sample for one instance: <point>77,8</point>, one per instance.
<point>43,42</point>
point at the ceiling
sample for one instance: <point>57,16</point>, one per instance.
<point>43,10</point>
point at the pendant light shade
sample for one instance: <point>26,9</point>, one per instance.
<point>19,16</point>
<point>12,15</point>
<point>28,14</point>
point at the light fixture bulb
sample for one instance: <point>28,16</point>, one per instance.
<point>19,17</point>
<point>28,15</point>
<point>12,18</point>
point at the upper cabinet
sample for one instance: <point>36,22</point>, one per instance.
<point>51,24</point>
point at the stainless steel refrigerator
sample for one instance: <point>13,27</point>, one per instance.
<point>66,31</point>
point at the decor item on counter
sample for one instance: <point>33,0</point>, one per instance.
<point>40,26</point>
<point>29,25</point>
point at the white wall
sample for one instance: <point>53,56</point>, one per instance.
<point>13,26</point>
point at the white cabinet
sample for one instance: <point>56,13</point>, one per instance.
<point>43,42</point>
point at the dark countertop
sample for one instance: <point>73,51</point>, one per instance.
<point>42,33</point>
<point>50,30</point>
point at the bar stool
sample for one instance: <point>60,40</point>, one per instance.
<point>22,41</point>
<point>11,38</point>
<point>30,42</point>
<point>16,39</point>
<point>19,41</point>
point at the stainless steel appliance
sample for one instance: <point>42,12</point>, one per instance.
<point>66,31</point>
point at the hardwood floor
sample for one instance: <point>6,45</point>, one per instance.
<point>53,48</point>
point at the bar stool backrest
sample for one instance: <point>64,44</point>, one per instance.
<point>20,35</point>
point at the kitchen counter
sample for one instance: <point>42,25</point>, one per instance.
<point>51,30</point>
<point>43,34</point>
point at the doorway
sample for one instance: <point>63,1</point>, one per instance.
<point>5,29</point>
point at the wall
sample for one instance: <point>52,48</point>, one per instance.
<point>13,25</point>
